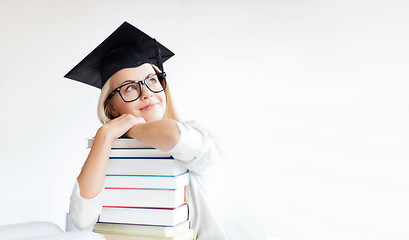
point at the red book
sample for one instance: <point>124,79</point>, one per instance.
<point>145,216</point>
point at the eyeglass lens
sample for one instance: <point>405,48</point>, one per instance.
<point>132,91</point>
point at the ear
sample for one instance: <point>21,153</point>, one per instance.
<point>112,110</point>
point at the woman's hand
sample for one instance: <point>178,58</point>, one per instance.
<point>119,126</point>
<point>92,176</point>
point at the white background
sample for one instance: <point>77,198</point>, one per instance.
<point>309,100</point>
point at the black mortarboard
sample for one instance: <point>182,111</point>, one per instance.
<point>126,47</point>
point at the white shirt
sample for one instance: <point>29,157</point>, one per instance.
<point>194,149</point>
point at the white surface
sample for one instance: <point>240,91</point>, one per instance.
<point>43,231</point>
<point>308,98</point>
<point>31,229</point>
<point>80,235</point>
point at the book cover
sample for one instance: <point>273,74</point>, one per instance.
<point>136,197</point>
<point>144,216</point>
<point>147,181</point>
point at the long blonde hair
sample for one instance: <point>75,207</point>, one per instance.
<point>103,112</point>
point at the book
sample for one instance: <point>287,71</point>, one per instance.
<point>137,197</point>
<point>144,216</point>
<point>123,143</point>
<point>159,231</point>
<point>139,153</point>
<point>147,181</point>
<point>145,166</point>
<point>187,235</point>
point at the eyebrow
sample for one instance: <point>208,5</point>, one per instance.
<point>129,81</point>
<point>126,81</point>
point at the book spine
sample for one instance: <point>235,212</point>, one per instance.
<point>139,153</point>
<point>145,216</point>
<point>145,166</point>
<point>146,181</point>
<point>134,197</point>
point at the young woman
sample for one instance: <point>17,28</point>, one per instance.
<point>135,101</point>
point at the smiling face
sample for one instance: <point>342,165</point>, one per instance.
<point>150,106</point>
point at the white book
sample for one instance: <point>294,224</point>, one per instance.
<point>146,230</point>
<point>186,235</point>
<point>143,198</point>
<point>144,216</point>
<point>145,166</point>
<point>139,153</point>
<point>147,181</point>
<point>123,143</point>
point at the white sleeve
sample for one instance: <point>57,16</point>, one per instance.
<point>194,149</point>
<point>84,212</point>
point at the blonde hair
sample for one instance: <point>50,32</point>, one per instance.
<point>103,111</point>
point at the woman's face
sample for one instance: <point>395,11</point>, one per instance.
<point>150,106</point>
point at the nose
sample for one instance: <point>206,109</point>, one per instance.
<point>146,93</point>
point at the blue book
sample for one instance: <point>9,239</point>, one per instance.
<point>147,181</point>
<point>145,166</point>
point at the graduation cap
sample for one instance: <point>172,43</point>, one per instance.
<point>126,47</point>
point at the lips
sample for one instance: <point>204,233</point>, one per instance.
<point>149,106</point>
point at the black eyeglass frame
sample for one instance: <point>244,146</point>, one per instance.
<point>161,77</point>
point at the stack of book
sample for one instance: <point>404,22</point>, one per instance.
<point>144,196</point>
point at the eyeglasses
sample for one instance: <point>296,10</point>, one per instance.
<point>131,90</point>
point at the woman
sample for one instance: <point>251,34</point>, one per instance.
<point>135,101</point>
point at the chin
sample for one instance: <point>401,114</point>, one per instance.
<point>154,118</point>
